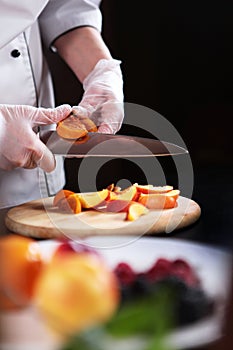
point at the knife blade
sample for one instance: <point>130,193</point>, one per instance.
<point>108,145</point>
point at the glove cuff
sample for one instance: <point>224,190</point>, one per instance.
<point>101,67</point>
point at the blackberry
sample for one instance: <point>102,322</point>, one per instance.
<point>141,286</point>
<point>192,305</point>
<point>174,282</point>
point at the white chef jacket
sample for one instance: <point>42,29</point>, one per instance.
<point>25,78</point>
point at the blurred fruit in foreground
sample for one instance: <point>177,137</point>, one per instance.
<point>20,265</point>
<point>67,246</point>
<point>75,292</point>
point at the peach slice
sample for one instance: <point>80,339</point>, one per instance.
<point>128,194</point>
<point>159,201</point>
<point>74,203</point>
<point>62,194</point>
<point>75,126</point>
<point>111,187</point>
<point>118,205</point>
<point>117,189</point>
<point>93,199</point>
<point>135,210</point>
<point>153,189</point>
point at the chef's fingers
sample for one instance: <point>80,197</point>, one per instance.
<point>45,160</point>
<point>46,116</point>
<point>105,129</point>
<point>42,157</point>
<point>30,154</point>
<point>8,165</point>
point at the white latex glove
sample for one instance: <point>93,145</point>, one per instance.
<point>20,146</point>
<point>103,96</point>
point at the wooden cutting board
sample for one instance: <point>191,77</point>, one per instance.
<point>40,219</point>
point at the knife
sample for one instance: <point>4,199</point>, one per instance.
<point>107,145</point>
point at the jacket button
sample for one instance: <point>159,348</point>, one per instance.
<point>15,53</point>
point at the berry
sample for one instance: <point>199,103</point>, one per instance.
<point>183,270</point>
<point>159,270</point>
<point>125,273</point>
<point>174,282</point>
<point>141,285</point>
<point>192,305</point>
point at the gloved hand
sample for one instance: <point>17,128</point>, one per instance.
<point>20,146</point>
<point>103,96</point>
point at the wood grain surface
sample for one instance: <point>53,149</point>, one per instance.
<point>40,219</point>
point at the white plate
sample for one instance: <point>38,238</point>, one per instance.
<point>212,265</point>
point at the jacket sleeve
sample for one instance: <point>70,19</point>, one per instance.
<point>16,16</point>
<point>60,16</point>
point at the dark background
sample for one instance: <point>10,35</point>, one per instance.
<point>177,59</point>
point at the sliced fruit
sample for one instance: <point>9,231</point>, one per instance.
<point>114,188</point>
<point>118,205</point>
<point>153,189</point>
<point>135,210</point>
<point>89,124</point>
<point>93,199</point>
<point>76,293</point>
<point>74,127</point>
<point>74,203</point>
<point>117,189</point>
<point>111,187</point>
<point>61,195</point>
<point>174,193</point>
<point>70,204</point>
<point>20,266</point>
<point>159,201</point>
<point>128,194</point>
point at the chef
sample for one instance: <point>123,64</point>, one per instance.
<point>72,29</point>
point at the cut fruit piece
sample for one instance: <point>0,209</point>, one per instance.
<point>111,187</point>
<point>153,189</point>
<point>174,193</point>
<point>71,128</point>
<point>135,211</point>
<point>62,194</point>
<point>89,124</point>
<point>73,203</point>
<point>118,205</point>
<point>129,194</point>
<point>117,189</point>
<point>93,199</point>
<point>159,201</point>
<point>74,127</point>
